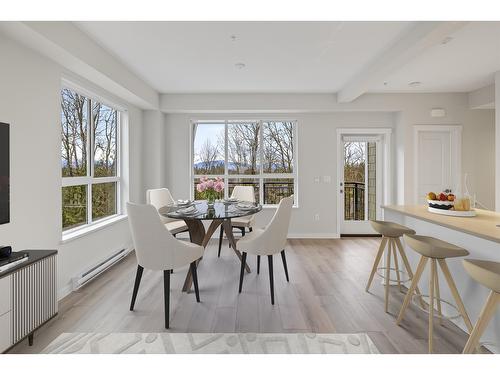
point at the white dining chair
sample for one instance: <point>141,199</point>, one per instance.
<point>268,241</point>
<point>242,193</point>
<point>157,249</point>
<point>160,198</point>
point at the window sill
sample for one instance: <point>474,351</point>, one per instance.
<point>87,229</point>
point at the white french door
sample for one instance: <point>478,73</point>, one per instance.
<point>362,158</point>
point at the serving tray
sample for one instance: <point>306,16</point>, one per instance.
<point>470,213</point>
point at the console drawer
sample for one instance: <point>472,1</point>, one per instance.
<point>5,295</point>
<point>5,331</point>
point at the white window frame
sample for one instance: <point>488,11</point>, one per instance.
<point>90,180</point>
<point>261,176</point>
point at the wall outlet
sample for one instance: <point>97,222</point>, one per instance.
<point>316,217</point>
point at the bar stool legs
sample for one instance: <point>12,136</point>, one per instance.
<point>434,294</point>
<point>484,318</point>
<point>394,246</point>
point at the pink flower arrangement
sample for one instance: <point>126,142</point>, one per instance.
<point>210,188</point>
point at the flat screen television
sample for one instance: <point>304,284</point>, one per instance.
<point>4,174</point>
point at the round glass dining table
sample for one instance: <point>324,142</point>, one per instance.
<point>220,213</point>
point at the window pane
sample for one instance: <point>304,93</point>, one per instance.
<point>278,146</point>
<point>105,120</point>
<point>208,149</point>
<point>103,200</point>
<point>74,206</point>
<point>277,188</point>
<point>245,182</point>
<point>243,146</point>
<point>74,128</point>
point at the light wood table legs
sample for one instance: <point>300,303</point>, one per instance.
<point>481,324</point>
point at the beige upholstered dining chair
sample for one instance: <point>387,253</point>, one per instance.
<point>242,193</point>
<point>268,241</point>
<point>160,198</point>
<point>157,249</point>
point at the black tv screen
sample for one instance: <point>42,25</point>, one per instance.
<point>4,174</point>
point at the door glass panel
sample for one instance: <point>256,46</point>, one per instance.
<point>360,195</point>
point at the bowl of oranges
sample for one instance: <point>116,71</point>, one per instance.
<point>441,201</point>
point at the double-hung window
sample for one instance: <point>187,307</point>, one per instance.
<point>90,157</point>
<point>258,153</point>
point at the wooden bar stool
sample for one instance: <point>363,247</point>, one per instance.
<point>486,273</point>
<point>391,233</point>
<point>437,251</point>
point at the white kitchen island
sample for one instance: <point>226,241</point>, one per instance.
<point>479,235</point>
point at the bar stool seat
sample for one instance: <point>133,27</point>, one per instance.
<point>436,251</point>
<point>434,248</point>
<point>486,273</point>
<point>390,229</point>
<point>391,233</point>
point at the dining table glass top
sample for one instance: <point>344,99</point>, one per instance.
<point>221,210</point>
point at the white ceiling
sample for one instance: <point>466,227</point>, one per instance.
<point>200,57</point>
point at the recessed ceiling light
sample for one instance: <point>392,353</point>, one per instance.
<point>415,84</point>
<point>447,40</point>
<point>239,65</point>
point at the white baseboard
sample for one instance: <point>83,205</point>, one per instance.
<point>313,235</point>
<point>63,292</point>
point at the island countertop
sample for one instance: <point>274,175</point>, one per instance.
<point>484,225</point>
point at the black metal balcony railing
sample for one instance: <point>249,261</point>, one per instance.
<point>354,201</point>
<point>273,191</point>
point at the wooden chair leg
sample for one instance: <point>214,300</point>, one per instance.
<point>413,287</point>
<point>166,296</point>
<point>481,324</point>
<point>194,273</point>
<point>454,292</point>
<point>283,258</point>
<point>438,296</point>
<point>271,277</point>
<point>258,264</point>
<point>242,271</point>
<point>387,274</point>
<point>243,232</point>
<point>376,262</point>
<point>396,265</point>
<point>220,240</point>
<point>431,302</point>
<point>250,229</point>
<point>408,269</point>
<point>138,277</point>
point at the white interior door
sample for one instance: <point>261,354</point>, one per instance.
<point>437,167</point>
<point>361,179</point>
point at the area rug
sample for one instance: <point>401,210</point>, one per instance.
<point>211,343</point>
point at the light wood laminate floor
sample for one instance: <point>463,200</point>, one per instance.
<point>326,294</point>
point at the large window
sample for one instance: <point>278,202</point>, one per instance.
<point>89,160</point>
<point>256,153</point>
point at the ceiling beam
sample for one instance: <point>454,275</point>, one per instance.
<point>71,48</point>
<point>411,44</point>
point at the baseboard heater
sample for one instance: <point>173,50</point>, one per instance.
<point>88,275</point>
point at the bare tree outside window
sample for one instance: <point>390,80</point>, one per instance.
<point>82,119</point>
<point>252,153</point>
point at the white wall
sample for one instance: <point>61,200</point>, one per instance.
<point>29,100</point>
<point>318,118</point>
<point>316,134</point>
